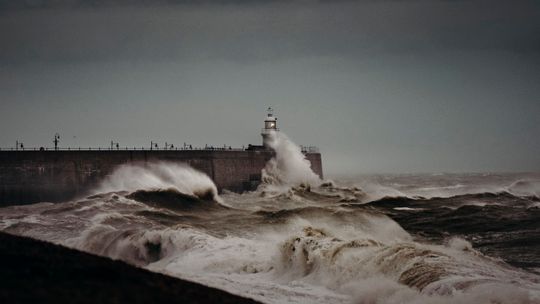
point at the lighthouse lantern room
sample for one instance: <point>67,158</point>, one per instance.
<point>270,125</point>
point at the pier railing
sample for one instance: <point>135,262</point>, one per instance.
<point>123,149</point>
<point>305,149</point>
<point>309,149</point>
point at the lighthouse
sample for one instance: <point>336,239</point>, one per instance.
<point>270,126</point>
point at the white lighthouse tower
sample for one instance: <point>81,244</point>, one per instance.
<point>270,126</point>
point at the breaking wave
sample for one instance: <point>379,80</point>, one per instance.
<point>372,252</point>
<point>299,239</point>
<point>433,271</point>
<point>454,202</point>
<point>525,187</point>
<point>175,200</point>
<point>289,166</point>
<point>429,186</point>
<point>160,176</point>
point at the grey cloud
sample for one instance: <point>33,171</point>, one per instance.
<point>71,4</point>
<point>378,85</point>
<point>249,33</point>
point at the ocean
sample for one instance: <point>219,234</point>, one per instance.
<point>387,238</point>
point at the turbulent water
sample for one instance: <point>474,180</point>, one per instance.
<point>368,239</point>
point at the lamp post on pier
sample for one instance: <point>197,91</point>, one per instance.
<point>56,141</point>
<point>18,145</point>
<point>115,144</point>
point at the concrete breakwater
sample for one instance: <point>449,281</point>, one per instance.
<point>54,176</point>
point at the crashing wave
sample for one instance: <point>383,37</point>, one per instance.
<point>525,187</point>
<point>437,273</point>
<point>160,176</point>
<point>175,200</point>
<point>288,167</point>
<point>484,199</point>
<point>310,243</point>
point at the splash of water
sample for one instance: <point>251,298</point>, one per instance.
<point>289,166</point>
<point>159,176</point>
<point>323,252</point>
<point>530,187</point>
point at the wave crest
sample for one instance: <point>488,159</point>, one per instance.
<point>288,167</point>
<point>160,176</point>
<point>426,273</point>
<point>175,200</point>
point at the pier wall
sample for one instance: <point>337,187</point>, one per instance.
<point>54,176</point>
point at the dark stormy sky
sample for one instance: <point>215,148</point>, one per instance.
<point>379,86</point>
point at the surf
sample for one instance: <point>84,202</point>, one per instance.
<point>297,238</point>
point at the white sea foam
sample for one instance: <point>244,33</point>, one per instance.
<point>315,250</point>
<point>289,166</point>
<point>445,186</point>
<point>525,187</point>
<point>321,262</point>
<point>155,176</point>
<point>408,209</point>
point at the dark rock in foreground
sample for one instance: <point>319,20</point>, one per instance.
<point>40,272</point>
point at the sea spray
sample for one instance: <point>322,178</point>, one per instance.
<point>289,166</point>
<point>309,247</point>
<point>160,176</point>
